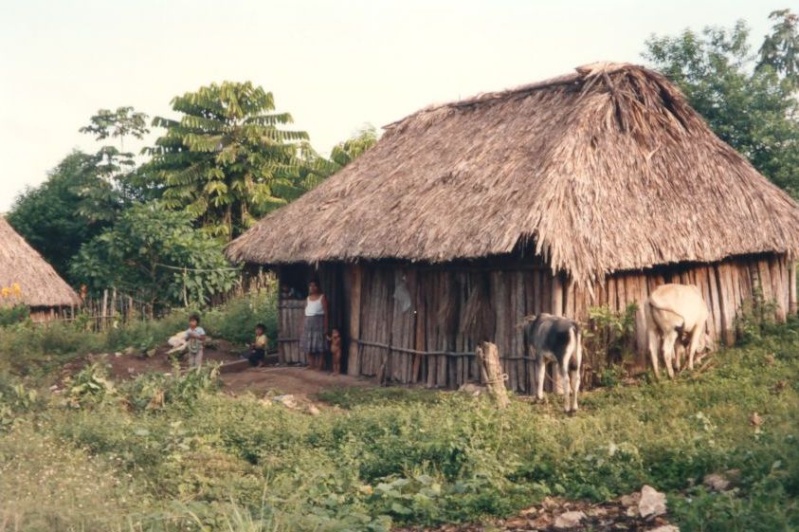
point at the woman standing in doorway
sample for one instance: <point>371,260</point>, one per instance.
<point>314,329</point>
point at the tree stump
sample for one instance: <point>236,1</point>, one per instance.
<point>491,370</point>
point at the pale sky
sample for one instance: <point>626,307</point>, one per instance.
<point>334,65</point>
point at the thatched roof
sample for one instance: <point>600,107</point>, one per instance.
<point>602,170</point>
<point>39,284</point>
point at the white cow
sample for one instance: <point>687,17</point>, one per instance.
<point>675,312</point>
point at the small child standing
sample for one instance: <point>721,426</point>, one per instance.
<point>335,350</point>
<point>258,348</point>
<point>195,337</point>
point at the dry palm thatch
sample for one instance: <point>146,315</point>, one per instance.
<point>27,277</point>
<point>603,170</point>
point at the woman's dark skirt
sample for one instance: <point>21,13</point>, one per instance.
<point>313,335</point>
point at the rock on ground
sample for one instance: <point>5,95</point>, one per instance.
<point>569,519</point>
<point>652,502</point>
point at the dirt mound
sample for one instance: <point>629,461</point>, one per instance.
<point>288,380</point>
<point>236,375</point>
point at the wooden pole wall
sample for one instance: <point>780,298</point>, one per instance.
<point>430,343</point>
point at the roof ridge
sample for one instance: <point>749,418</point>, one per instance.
<point>581,73</point>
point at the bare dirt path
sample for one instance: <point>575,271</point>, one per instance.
<point>288,380</point>
<point>237,376</point>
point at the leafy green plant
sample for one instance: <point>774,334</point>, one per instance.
<point>13,314</point>
<point>89,386</point>
<point>608,342</point>
<point>235,321</point>
<point>153,391</point>
<point>754,318</point>
<point>158,254</point>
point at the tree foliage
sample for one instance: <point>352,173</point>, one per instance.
<point>342,154</point>
<point>53,217</point>
<point>115,167</point>
<point>780,49</point>
<point>157,254</point>
<point>345,152</point>
<point>226,159</point>
<point>751,104</point>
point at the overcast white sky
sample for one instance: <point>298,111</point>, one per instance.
<point>334,65</point>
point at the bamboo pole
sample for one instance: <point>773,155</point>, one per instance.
<point>420,337</point>
<point>444,294</point>
<point>776,284</point>
<point>518,333</point>
<point>727,305</point>
<point>714,304</point>
<point>557,295</point>
<point>104,314</point>
<point>353,353</point>
<point>765,279</point>
<point>430,327</point>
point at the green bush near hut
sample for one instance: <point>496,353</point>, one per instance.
<point>171,453</point>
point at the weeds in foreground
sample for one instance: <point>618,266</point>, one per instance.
<point>170,454</point>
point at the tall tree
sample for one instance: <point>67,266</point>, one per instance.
<point>780,49</point>
<point>751,105</point>
<point>115,166</point>
<point>50,216</point>
<point>226,159</point>
<point>158,255</point>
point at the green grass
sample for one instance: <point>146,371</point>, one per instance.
<point>39,351</point>
<point>114,458</point>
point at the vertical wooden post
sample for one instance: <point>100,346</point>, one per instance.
<point>104,314</point>
<point>354,359</point>
<point>777,288</point>
<point>491,370</point>
<point>282,329</point>
<point>641,338</point>
<point>557,295</point>
<point>113,305</point>
<point>420,317</point>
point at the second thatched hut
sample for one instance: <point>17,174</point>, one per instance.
<point>27,279</point>
<point>586,190</point>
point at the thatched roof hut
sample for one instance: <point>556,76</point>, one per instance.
<point>586,190</point>
<point>39,286</point>
<point>606,169</point>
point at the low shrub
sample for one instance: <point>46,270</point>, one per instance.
<point>609,342</point>
<point>236,320</point>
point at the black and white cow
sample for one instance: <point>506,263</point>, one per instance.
<point>555,339</point>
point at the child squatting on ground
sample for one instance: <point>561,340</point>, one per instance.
<point>195,338</point>
<point>257,355</point>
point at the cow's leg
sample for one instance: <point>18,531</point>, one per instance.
<point>539,373</point>
<point>696,338</point>
<point>679,350</point>
<point>575,373</point>
<point>654,351</point>
<point>669,340</point>
<point>574,378</point>
<point>536,370</point>
<point>563,366</point>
